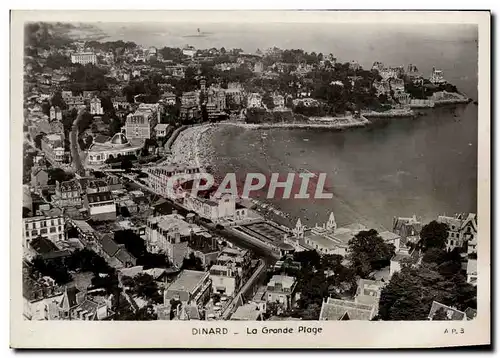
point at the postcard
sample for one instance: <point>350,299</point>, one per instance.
<point>250,179</point>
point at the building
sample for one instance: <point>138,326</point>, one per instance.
<point>75,102</point>
<point>169,98</point>
<point>53,147</point>
<point>68,194</point>
<point>342,310</point>
<point>99,201</point>
<point>442,312</point>
<point>325,239</point>
<point>37,295</point>
<point>116,255</point>
<point>254,100</point>
<point>77,305</point>
<point>39,177</point>
<point>189,287</point>
<point>165,180</point>
<point>137,126</point>
<point>391,238</point>
<point>120,103</point>
<point>118,146</point>
<point>55,113</point>
<point>170,234</point>
<point>281,289</point>
<point>461,229</point>
<point>161,130</point>
<point>403,256</point>
<point>190,105</point>
<point>216,102</point>
<point>230,270</point>
<point>84,58</point>
<point>279,101</point>
<point>214,208</point>
<point>408,228</point>
<point>234,95</point>
<point>141,123</point>
<point>189,51</point>
<point>96,107</point>
<point>248,312</point>
<point>49,227</point>
<point>368,293</point>
<point>437,77</point>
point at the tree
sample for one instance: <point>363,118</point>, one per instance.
<point>115,126</point>
<point>410,293</point>
<point>58,101</point>
<point>268,101</point>
<point>58,174</point>
<point>192,263</point>
<point>368,252</point>
<point>55,269</point>
<point>433,235</point>
<point>146,287</point>
<point>126,163</point>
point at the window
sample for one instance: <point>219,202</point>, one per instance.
<point>44,223</point>
<point>27,226</point>
<point>43,231</point>
<point>52,222</point>
<point>34,233</point>
<point>52,230</point>
<point>27,233</point>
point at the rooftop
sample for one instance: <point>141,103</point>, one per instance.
<point>452,314</point>
<point>285,281</point>
<point>247,312</point>
<point>187,280</point>
<point>335,310</point>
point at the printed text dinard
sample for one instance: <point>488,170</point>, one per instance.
<point>264,330</point>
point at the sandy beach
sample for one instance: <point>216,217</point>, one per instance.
<point>193,146</point>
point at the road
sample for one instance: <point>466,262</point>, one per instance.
<point>254,279</point>
<point>75,150</point>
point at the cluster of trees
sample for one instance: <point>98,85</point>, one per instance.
<point>368,252</point>
<point>292,56</point>
<point>28,162</point>
<point>117,47</point>
<point>410,293</point>
<point>318,277</point>
<point>192,263</point>
<point>57,61</point>
<point>144,286</point>
<point>44,35</point>
<point>89,78</point>
<point>148,87</point>
<point>84,260</point>
<point>172,54</point>
<point>425,89</point>
<point>260,115</point>
<point>58,174</point>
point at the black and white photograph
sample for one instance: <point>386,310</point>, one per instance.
<point>282,173</point>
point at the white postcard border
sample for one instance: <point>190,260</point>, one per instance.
<point>164,334</point>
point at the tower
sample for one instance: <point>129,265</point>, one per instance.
<point>299,230</point>
<point>331,223</point>
<point>203,85</point>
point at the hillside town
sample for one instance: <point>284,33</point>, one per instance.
<point>108,124</point>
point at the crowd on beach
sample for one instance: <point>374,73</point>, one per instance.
<point>193,147</point>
